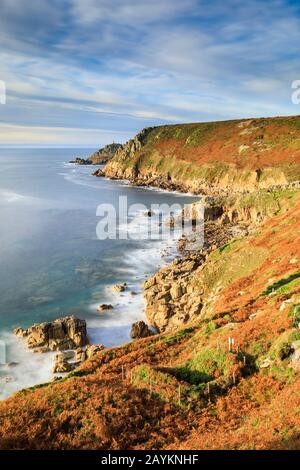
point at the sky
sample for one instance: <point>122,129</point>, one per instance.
<point>90,72</point>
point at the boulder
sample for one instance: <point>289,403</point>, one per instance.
<point>120,287</point>
<point>176,292</point>
<point>104,307</point>
<point>20,332</point>
<point>64,355</point>
<point>81,161</point>
<point>93,349</point>
<point>100,173</point>
<point>140,330</point>
<point>80,355</point>
<point>59,335</point>
<point>61,367</point>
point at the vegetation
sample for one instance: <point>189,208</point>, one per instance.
<point>252,153</point>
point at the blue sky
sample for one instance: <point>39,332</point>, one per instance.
<point>89,72</point>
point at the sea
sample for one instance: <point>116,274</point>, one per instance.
<point>53,263</point>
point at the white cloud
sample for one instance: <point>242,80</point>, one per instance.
<point>37,135</point>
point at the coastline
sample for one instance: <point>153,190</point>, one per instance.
<point>158,255</point>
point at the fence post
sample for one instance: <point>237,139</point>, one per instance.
<point>208,391</point>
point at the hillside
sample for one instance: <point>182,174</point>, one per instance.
<point>188,388</point>
<point>104,154</point>
<point>213,157</point>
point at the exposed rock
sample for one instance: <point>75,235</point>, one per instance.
<point>140,330</point>
<point>61,367</point>
<point>62,334</point>
<point>265,364</point>
<point>168,304</point>
<point>80,355</point>
<point>104,307</point>
<point>65,356</point>
<point>81,161</point>
<point>120,287</point>
<point>20,332</point>
<point>10,365</point>
<point>93,349</point>
<point>99,173</point>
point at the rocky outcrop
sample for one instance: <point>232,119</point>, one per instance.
<point>140,330</point>
<point>99,173</point>
<point>59,335</point>
<point>104,154</point>
<point>104,307</point>
<point>170,301</point>
<point>81,161</point>
<point>120,287</point>
<point>93,349</point>
<point>100,157</point>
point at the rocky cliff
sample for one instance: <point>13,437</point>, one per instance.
<point>212,158</point>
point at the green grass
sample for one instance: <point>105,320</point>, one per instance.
<point>295,315</point>
<point>283,286</point>
<point>203,366</point>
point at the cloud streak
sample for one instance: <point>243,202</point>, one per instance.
<point>121,65</point>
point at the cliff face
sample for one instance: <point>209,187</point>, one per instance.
<point>211,158</point>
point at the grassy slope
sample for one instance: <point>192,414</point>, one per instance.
<point>229,151</point>
<point>96,408</point>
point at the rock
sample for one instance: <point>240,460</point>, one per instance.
<point>61,367</point>
<point>285,351</point>
<point>252,316</point>
<point>150,283</point>
<point>295,363</point>
<point>120,287</point>
<point>12,364</point>
<point>65,355</point>
<point>296,344</point>
<point>81,161</point>
<point>133,293</point>
<point>104,307</point>
<point>176,292</point>
<point>265,364</point>
<point>140,330</point>
<point>93,349</point>
<point>62,334</point>
<point>100,173</point>
<point>80,355</point>
<point>20,332</point>
<point>41,350</point>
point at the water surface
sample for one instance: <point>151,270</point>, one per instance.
<point>51,261</point>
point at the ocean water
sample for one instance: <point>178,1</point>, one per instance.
<point>51,262</point>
